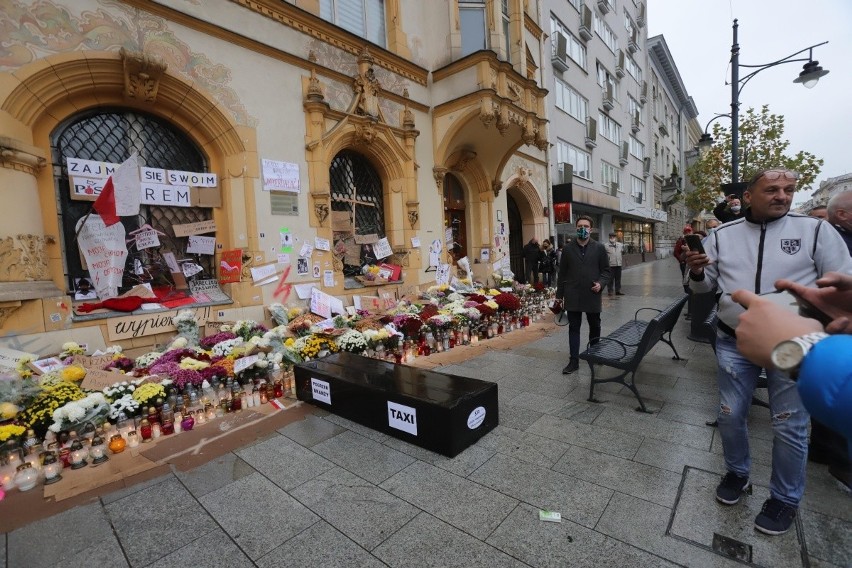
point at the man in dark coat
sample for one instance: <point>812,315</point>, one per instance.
<point>583,273</point>
<point>532,256</point>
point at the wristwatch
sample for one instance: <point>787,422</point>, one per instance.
<point>788,355</point>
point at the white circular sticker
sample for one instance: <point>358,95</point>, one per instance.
<point>476,418</point>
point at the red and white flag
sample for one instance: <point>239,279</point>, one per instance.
<point>121,193</point>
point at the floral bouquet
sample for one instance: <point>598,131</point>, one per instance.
<point>8,431</point>
<point>125,405</point>
<point>71,348</point>
<point>187,326</point>
<point>38,415</point>
<point>73,415</point>
<point>123,364</point>
<point>440,322</point>
<point>122,389</point>
<point>211,340</point>
<point>370,272</point>
<point>507,302</point>
<point>246,329</point>
<point>428,311</point>
<point>279,314</point>
<point>146,360</point>
<point>226,348</point>
<point>259,369</point>
<point>313,345</point>
<point>148,393</point>
<point>409,324</point>
<point>353,341</point>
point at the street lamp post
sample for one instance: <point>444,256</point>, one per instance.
<point>809,77</point>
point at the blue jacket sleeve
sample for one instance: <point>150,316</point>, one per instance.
<point>825,383</point>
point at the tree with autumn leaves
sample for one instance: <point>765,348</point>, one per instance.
<point>762,145</point>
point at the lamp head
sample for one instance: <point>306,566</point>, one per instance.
<point>810,75</point>
<point>705,141</point>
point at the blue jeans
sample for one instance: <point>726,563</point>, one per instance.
<point>737,378</point>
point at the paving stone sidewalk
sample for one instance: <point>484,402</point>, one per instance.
<point>633,489</point>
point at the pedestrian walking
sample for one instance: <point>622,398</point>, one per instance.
<point>583,274</point>
<point>532,256</point>
<point>548,264</point>
<point>752,253</point>
<point>615,252</point>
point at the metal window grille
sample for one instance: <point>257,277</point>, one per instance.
<point>356,187</point>
<point>111,135</point>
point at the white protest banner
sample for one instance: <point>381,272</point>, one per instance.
<point>382,249</point>
<point>105,252</point>
<point>201,245</point>
<point>147,239</point>
<point>86,188</point>
<point>193,179</point>
<point>280,176</point>
<point>261,273</point>
<point>320,303</point>
<point>164,194</point>
<point>90,168</point>
<point>125,182</point>
<point>153,175</point>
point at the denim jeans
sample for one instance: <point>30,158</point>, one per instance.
<point>737,377</point>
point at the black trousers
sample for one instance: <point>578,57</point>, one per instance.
<point>575,320</point>
<point>615,280</point>
<point>531,271</point>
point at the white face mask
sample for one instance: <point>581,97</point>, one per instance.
<point>736,208</point>
<point>613,241</point>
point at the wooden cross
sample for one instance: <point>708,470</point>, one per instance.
<point>354,201</point>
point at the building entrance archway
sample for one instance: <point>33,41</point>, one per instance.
<point>516,238</point>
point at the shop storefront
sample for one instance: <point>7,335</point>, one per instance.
<point>637,236</point>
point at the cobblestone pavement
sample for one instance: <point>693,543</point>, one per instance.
<point>633,489</point>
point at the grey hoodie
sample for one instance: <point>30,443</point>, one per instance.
<point>752,255</point>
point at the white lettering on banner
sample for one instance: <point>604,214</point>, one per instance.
<point>90,168</point>
<point>476,417</point>
<point>153,175</point>
<point>105,252</point>
<point>321,390</point>
<point>163,194</point>
<point>176,177</point>
<point>402,417</point>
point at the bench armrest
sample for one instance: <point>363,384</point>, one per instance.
<point>636,315</point>
<point>620,343</point>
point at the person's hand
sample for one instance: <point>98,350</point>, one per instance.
<point>696,261</point>
<point>833,298</point>
<point>596,287</point>
<point>764,325</point>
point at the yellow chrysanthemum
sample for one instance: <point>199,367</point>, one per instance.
<point>73,373</point>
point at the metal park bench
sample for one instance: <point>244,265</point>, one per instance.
<point>625,347</point>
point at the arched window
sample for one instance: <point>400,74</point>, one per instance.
<point>357,189</point>
<point>111,136</point>
<point>455,216</point>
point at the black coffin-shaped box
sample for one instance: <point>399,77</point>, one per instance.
<point>442,413</point>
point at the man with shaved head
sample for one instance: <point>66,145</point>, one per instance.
<point>840,215</point>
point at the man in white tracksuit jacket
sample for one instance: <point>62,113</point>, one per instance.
<point>751,253</point>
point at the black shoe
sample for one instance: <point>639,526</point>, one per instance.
<point>620,294</point>
<point>610,294</point>
<point>731,487</point>
<point>843,475</point>
<point>819,454</point>
<point>572,366</point>
<point>775,517</point>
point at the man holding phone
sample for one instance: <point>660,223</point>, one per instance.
<point>751,253</point>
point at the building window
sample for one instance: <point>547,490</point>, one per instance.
<point>576,4</point>
<point>570,101</point>
<point>634,108</point>
<point>610,175</point>
<point>637,149</point>
<point>356,187</point>
<point>472,19</point>
<point>633,68</point>
<point>576,50</point>
<point>605,78</point>
<point>605,33</point>
<point>637,189</point>
<point>364,18</point>
<point>628,24</point>
<point>637,236</point>
<point>609,129</point>
<point>507,44</point>
<point>111,136</point>
<point>579,159</point>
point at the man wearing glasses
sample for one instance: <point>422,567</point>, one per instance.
<point>751,253</point>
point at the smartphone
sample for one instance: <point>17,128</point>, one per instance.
<point>694,243</point>
<point>798,305</point>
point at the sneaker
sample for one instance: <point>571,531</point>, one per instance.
<point>619,293</point>
<point>775,517</point>
<point>572,366</point>
<point>731,487</point>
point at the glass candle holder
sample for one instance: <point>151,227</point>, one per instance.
<point>145,430</point>
<point>188,421</point>
<point>78,455</point>
<point>132,439</point>
<point>26,477</point>
<point>117,444</point>
<point>98,451</point>
<point>52,468</point>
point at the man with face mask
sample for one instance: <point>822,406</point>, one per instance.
<point>583,274</point>
<point>615,250</point>
<point>711,226</point>
<point>840,216</point>
<point>730,209</point>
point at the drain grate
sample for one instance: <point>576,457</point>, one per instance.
<point>731,548</point>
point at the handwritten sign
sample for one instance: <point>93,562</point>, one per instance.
<point>198,228</point>
<point>105,252</point>
<point>320,303</point>
<point>147,239</point>
<point>382,248</point>
<point>201,245</point>
<point>197,286</point>
<point>230,266</point>
<point>280,176</point>
<point>213,327</point>
<point>244,363</point>
<point>322,244</point>
<point>149,324</point>
<point>97,379</point>
<point>442,275</point>
<point>93,361</point>
<point>307,250</point>
<point>328,278</point>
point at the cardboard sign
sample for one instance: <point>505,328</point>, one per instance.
<point>341,221</point>
<point>105,252</point>
<point>149,324</point>
<point>366,239</point>
<point>97,379</point>
<point>197,286</point>
<point>198,228</point>
<point>93,361</point>
<point>201,245</point>
<point>230,266</point>
<point>9,357</point>
<point>213,327</point>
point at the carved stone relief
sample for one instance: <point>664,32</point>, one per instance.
<point>24,260</point>
<point>142,73</point>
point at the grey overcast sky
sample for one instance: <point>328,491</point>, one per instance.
<point>819,120</point>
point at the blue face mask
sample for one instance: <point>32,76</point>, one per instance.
<point>582,233</point>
